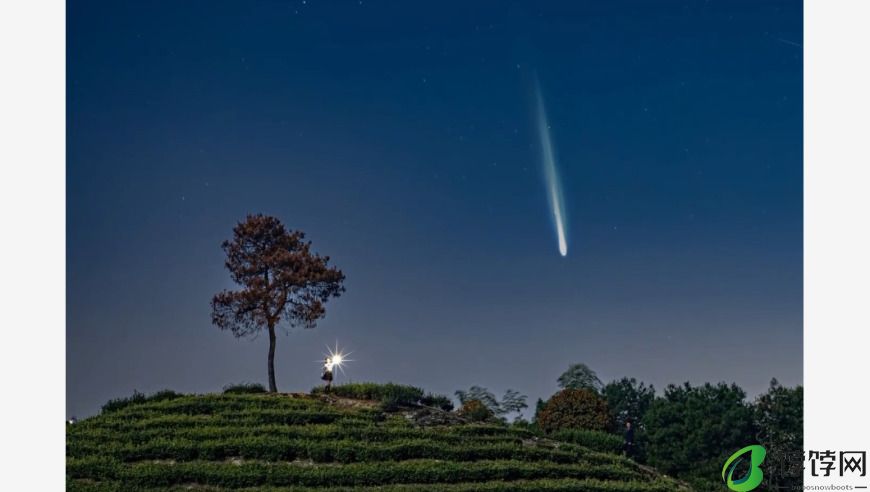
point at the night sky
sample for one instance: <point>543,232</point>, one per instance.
<point>401,137</point>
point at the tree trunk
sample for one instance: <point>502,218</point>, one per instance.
<point>273,388</point>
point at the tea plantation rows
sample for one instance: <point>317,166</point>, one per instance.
<point>299,442</point>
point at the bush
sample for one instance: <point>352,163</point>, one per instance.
<point>476,411</point>
<point>533,485</point>
<point>223,475</point>
<point>574,409</point>
<point>390,395</point>
<point>396,395</point>
<point>341,450</point>
<point>437,401</point>
<point>164,395</point>
<point>599,441</point>
<point>244,389</point>
<point>136,398</point>
<point>523,424</point>
<point>118,403</point>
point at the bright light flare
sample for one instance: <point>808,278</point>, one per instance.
<point>335,358</point>
<point>551,175</point>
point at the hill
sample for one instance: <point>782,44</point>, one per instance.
<point>290,442</point>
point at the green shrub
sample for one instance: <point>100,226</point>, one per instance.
<point>341,450</point>
<point>95,467</point>
<point>118,403</point>
<point>574,409</point>
<point>227,475</point>
<point>394,396</point>
<point>389,394</point>
<point>599,441</point>
<point>217,404</point>
<point>476,411</point>
<point>437,401</point>
<point>534,485</point>
<point>137,398</point>
<point>244,389</point>
<point>164,395</point>
<point>524,424</point>
<point>86,439</point>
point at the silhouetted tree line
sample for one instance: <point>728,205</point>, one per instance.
<point>686,431</point>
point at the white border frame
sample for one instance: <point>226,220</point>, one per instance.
<point>32,199</point>
<point>836,237</point>
<point>33,245</point>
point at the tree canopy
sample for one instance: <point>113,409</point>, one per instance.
<point>692,425</point>
<point>574,409</point>
<point>628,400</point>
<point>580,376</point>
<point>511,402</point>
<point>779,423</point>
<point>480,394</point>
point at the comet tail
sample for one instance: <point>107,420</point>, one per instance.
<point>551,175</point>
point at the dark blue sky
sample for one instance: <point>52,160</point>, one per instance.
<point>400,137</point>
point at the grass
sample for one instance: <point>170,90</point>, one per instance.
<point>252,441</point>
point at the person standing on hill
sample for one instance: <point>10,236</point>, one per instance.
<point>628,446</point>
<point>327,373</point>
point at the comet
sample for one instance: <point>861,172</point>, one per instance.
<point>551,175</point>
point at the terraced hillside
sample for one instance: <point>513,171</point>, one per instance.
<point>302,442</point>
